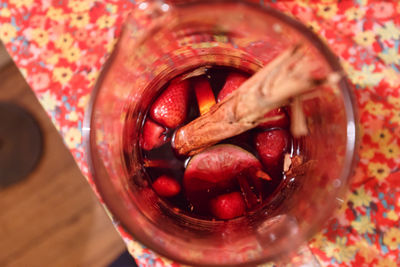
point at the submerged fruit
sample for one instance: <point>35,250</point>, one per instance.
<point>153,135</point>
<point>170,107</point>
<point>228,206</point>
<point>271,145</point>
<point>204,94</point>
<point>280,119</point>
<point>217,165</point>
<point>233,81</point>
<point>166,186</point>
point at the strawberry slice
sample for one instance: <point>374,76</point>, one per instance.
<point>281,121</point>
<point>233,81</point>
<point>228,206</point>
<point>153,135</point>
<point>170,107</point>
<point>204,94</point>
<point>166,186</point>
<point>271,146</point>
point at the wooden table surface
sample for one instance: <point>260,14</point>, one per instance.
<point>52,218</point>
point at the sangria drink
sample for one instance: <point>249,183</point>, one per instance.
<point>230,179</point>
<point>237,192</point>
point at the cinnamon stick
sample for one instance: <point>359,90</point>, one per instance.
<point>272,86</point>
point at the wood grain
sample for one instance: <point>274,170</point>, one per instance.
<point>52,218</point>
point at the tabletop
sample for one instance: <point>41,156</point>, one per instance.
<point>60,47</point>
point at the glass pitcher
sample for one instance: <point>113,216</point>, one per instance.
<point>161,40</point>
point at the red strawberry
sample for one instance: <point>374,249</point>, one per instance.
<point>228,206</point>
<point>233,81</point>
<point>282,120</point>
<point>166,186</point>
<point>204,94</point>
<point>271,146</point>
<point>153,135</point>
<point>170,107</point>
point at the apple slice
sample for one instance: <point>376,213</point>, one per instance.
<point>217,165</point>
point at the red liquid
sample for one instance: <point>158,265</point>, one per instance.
<point>204,200</point>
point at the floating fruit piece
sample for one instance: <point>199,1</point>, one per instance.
<point>166,186</point>
<point>233,81</point>
<point>271,145</point>
<point>170,107</point>
<point>228,206</point>
<point>163,164</point>
<point>204,94</point>
<point>278,118</point>
<point>217,166</point>
<point>153,135</point>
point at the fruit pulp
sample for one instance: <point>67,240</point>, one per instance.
<point>235,177</point>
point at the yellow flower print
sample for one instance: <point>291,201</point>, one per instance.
<point>391,238</point>
<point>388,31</point>
<point>390,56</point>
<point>135,248</point>
<point>72,54</point>
<point>73,138</point>
<point>366,77</point>
<point>62,75</point>
<point>110,45</point>
<point>318,241</point>
<point>64,41</point>
<point>391,77</point>
<point>367,152</point>
<point>383,136</point>
<point>5,12</point>
<point>83,100</point>
<point>365,38</point>
<point>367,251</point>
<point>111,8</point>
<point>80,5</point>
<point>314,26</point>
<point>378,170</point>
<point>7,32</point>
<point>79,20</point>
<point>354,13</point>
<point>392,215</point>
<point>40,36</point>
<point>73,116</point>
<point>376,109</point>
<point>105,21</point>
<point>21,3</point>
<point>56,14</point>
<point>391,151</point>
<point>48,101</point>
<point>92,77</point>
<point>339,250</point>
<point>360,198</point>
<point>386,262</point>
<point>363,225</point>
<point>394,100</point>
<point>49,57</point>
<point>395,116</point>
<point>327,11</point>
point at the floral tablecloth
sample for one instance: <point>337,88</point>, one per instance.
<point>60,46</point>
